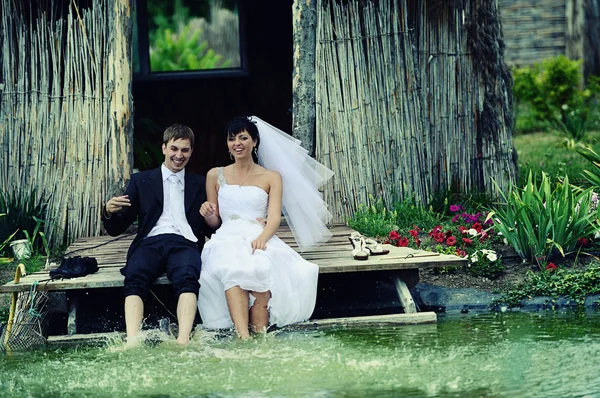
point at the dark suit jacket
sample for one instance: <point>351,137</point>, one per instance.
<point>145,192</point>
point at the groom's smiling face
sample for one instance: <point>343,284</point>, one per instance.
<point>177,154</point>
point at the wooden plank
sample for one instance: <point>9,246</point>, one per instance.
<point>362,321</point>
<point>101,339</point>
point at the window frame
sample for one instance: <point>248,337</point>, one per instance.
<point>145,73</point>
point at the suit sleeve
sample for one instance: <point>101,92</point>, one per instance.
<point>120,221</point>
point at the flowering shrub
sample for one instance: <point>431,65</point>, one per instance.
<point>485,262</point>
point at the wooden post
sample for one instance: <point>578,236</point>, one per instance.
<point>574,11</point>
<point>120,153</point>
<point>591,43</point>
<point>304,19</point>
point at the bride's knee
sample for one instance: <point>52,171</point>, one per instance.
<point>261,298</point>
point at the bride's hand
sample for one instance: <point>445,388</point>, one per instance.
<point>259,243</point>
<point>208,210</point>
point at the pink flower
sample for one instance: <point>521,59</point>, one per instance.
<point>454,208</point>
<point>455,218</point>
<point>467,241</point>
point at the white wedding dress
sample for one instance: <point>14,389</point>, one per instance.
<point>227,261</point>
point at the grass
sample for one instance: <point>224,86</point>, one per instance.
<point>547,152</point>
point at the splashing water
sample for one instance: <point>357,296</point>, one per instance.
<point>474,355</point>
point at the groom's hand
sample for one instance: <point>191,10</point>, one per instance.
<point>116,204</point>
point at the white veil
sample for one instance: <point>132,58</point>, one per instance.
<point>303,206</point>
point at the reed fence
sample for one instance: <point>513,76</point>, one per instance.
<point>411,100</point>
<point>65,107</point>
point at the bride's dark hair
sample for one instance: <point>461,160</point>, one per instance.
<point>244,123</point>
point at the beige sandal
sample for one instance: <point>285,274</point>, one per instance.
<point>359,252</point>
<point>375,248</point>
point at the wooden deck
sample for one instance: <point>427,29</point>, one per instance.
<point>333,257</point>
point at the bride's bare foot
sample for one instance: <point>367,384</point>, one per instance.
<point>181,340</point>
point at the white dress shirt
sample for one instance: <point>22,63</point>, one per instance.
<point>166,223</point>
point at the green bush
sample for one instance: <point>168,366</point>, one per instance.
<point>410,215</point>
<point>182,51</point>
<point>373,219</point>
<point>25,213</point>
<point>554,92</point>
<point>539,220</point>
<point>572,284</point>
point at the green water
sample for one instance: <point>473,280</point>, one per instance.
<point>488,355</point>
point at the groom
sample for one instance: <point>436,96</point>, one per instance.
<point>166,201</point>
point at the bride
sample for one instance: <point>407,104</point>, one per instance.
<point>249,275</point>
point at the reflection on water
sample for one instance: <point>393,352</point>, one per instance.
<point>486,355</point>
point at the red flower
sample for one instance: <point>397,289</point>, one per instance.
<point>402,242</point>
<point>394,235</point>
<point>477,227</point>
<point>439,237</point>
<point>467,241</point>
<point>418,242</point>
<point>583,242</point>
<point>451,241</point>
<point>435,230</point>
<point>460,253</point>
<point>550,266</point>
<point>463,229</point>
<point>413,233</point>
<point>455,218</point>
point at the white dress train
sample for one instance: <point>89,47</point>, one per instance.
<point>227,261</point>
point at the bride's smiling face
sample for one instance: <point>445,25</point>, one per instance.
<point>241,145</point>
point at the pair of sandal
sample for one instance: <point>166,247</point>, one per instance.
<point>365,247</point>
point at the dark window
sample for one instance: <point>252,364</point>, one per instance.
<point>187,38</point>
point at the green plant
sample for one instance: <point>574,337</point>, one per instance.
<point>593,175</point>
<point>554,90</point>
<point>571,283</point>
<point>20,207</point>
<point>182,50</point>
<point>31,238</point>
<point>536,221</point>
<point>408,214</point>
<point>373,219</point>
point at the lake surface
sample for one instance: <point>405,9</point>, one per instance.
<point>549,354</point>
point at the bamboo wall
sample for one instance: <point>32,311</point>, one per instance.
<point>412,98</point>
<point>533,30</point>
<point>65,108</point>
